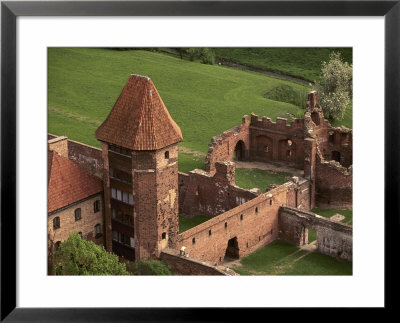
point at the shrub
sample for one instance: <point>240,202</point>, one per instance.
<point>288,94</point>
<point>148,267</point>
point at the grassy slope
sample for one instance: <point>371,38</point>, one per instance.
<point>304,63</point>
<point>204,100</point>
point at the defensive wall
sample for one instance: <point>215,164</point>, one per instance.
<point>333,238</point>
<point>244,228</point>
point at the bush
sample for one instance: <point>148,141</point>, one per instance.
<point>80,257</point>
<point>205,55</point>
<point>148,268</point>
<point>288,94</point>
<point>335,87</point>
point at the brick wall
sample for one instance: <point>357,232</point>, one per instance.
<point>333,238</point>
<point>222,147</point>
<point>86,224</point>
<point>192,266</point>
<point>252,224</point>
<point>201,193</point>
<point>277,141</point>
<point>334,184</point>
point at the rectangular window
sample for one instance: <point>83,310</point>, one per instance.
<point>132,242</point>
<point>113,213</point>
<point>125,197</point>
<point>111,172</point>
<point>130,199</point>
<point>119,195</point>
<point>115,235</point>
<point>113,193</point>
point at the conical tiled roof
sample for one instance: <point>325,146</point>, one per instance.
<point>139,119</point>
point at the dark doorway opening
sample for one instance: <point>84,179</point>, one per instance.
<point>239,150</point>
<point>336,156</point>
<point>232,250</point>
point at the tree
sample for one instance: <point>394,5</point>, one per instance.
<point>335,87</point>
<point>80,257</point>
<point>149,267</point>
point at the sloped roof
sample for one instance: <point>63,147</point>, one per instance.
<point>139,119</point>
<point>68,183</point>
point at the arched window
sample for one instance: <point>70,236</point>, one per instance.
<point>56,223</point>
<point>166,154</point>
<point>163,236</point>
<point>57,245</point>
<point>78,214</point>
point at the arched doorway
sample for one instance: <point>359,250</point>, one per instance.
<point>232,250</point>
<point>239,151</point>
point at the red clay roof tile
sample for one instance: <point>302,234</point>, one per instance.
<point>68,183</point>
<point>139,119</point>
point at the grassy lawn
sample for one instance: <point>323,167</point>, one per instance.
<point>327,213</point>
<point>187,162</point>
<point>282,258</point>
<point>188,223</point>
<point>250,178</point>
<point>205,100</point>
<point>304,63</point>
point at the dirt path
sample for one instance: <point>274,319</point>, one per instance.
<point>249,68</point>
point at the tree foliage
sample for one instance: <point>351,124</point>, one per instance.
<point>335,87</point>
<point>205,55</point>
<point>149,267</point>
<point>80,257</point>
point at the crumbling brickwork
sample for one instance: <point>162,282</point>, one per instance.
<point>333,238</point>
<point>277,141</point>
<point>201,193</point>
<point>231,144</point>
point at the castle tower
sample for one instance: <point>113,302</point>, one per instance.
<point>140,152</point>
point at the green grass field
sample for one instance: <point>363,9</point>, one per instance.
<point>205,100</point>
<point>251,178</point>
<point>282,258</point>
<point>188,223</point>
<point>303,63</point>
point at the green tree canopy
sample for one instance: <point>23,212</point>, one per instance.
<point>335,87</point>
<point>80,257</point>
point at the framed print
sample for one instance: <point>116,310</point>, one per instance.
<point>32,32</point>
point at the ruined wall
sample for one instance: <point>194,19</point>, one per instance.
<point>222,147</point>
<point>201,193</point>
<point>328,158</point>
<point>277,141</point>
<point>192,266</point>
<point>334,184</point>
<point>333,238</point>
<point>88,157</point>
<point>249,226</point>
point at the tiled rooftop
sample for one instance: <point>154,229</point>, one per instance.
<point>139,119</point>
<point>68,183</point>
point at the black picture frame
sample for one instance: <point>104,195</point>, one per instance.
<point>10,10</point>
